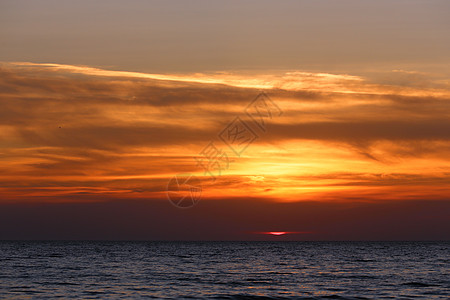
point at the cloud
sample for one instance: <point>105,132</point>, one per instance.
<point>70,133</point>
<point>437,129</point>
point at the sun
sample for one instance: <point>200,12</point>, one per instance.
<point>276,232</point>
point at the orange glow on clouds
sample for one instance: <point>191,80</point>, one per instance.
<point>81,134</point>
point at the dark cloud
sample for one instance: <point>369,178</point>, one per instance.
<point>433,129</point>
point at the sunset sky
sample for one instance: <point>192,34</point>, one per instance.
<point>102,103</point>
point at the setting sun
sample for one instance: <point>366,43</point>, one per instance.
<point>277,232</point>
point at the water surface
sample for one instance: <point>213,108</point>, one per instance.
<point>225,270</point>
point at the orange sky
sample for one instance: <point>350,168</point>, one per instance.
<point>104,102</point>
<point>73,133</point>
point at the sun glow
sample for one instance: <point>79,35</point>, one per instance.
<point>277,232</point>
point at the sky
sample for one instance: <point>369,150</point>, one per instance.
<point>327,120</point>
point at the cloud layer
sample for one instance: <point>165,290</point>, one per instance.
<point>74,133</point>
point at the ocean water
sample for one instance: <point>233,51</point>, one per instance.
<point>225,270</point>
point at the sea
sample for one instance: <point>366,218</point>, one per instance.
<point>224,270</point>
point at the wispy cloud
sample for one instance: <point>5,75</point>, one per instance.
<point>70,133</point>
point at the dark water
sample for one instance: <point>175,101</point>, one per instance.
<point>225,270</point>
